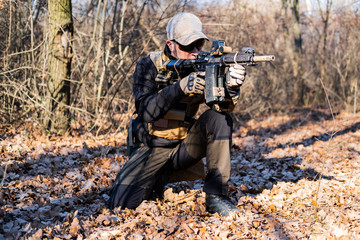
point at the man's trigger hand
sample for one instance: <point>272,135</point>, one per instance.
<point>193,84</point>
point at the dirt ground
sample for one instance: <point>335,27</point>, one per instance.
<point>293,177</point>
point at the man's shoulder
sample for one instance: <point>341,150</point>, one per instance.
<point>145,70</point>
<point>146,63</point>
<point>145,60</point>
<point>156,58</point>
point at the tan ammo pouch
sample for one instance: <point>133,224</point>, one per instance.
<point>230,105</point>
<point>172,126</point>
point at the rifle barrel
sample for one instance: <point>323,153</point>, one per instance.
<point>264,58</point>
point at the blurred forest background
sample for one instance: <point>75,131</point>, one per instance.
<point>63,59</point>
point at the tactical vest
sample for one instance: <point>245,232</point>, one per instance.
<point>176,122</point>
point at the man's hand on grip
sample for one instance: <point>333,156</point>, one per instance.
<point>236,76</point>
<point>194,83</point>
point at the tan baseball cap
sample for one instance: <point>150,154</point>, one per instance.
<point>185,28</point>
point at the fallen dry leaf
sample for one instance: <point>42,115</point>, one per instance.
<point>293,178</point>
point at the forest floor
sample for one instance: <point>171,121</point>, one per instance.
<point>293,177</point>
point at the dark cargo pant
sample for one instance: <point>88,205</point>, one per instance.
<point>148,169</point>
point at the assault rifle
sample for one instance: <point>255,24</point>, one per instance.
<point>215,64</point>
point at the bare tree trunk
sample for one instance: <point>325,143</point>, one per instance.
<point>323,42</point>
<point>100,51</point>
<point>354,90</point>
<point>61,31</point>
<point>293,43</point>
<point>96,39</point>
<point>296,62</point>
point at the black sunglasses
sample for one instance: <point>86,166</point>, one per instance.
<point>188,48</point>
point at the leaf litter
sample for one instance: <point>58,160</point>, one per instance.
<point>293,177</point>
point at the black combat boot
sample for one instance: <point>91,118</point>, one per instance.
<point>219,204</point>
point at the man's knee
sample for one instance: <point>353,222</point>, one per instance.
<point>217,124</point>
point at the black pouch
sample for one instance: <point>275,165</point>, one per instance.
<point>130,140</point>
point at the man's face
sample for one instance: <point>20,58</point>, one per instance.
<point>189,52</point>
